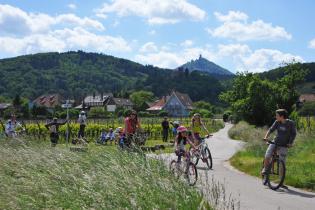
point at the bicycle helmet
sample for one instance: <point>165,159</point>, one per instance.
<point>196,115</point>
<point>181,129</point>
<point>176,123</point>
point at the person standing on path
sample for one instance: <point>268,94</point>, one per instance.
<point>165,127</point>
<point>82,121</point>
<point>53,128</point>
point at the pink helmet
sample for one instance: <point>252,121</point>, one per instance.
<point>181,129</point>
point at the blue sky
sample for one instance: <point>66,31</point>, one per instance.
<point>240,35</point>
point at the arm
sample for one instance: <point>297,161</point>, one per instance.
<point>204,127</point>
<point>126,126</point>
<point>271,129</point>
<point>64,122</point>
<point>48,125</point>
<point>138,123</point>
<point>292,134</point>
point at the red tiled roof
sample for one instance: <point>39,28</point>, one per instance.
<point>48,101</point>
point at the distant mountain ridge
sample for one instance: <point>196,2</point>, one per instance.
<point>204,65</point>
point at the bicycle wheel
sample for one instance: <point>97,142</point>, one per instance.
<point>193,157</point>
<point>192,175</point>
<point>263,177</point>
<point>174,168</point>
<point>276,174</point>
<point>207,157</point>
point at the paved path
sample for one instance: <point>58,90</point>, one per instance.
<point>244,188</point>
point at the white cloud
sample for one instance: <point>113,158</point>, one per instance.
<point>72,6</point>
<point>85,22</point>
<point>235,26</point>
<point>155,11</point>
<point>231,16</point>
<point>187,43</point>
<point>265,59</point>
<point>173,59</point>
<point>16,22</point>
<point>63,40</point>
<point>234,50</point>
<point>312,43</point>
<point>148,47</point>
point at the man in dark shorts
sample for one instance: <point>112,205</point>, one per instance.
<point>286,133</point>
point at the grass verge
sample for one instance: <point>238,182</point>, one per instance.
<point>300,162</point>
<point>35,176</point>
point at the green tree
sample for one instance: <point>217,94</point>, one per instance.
<point>255,100</point>
<point>140,98</point>
<point>287,94</point>
<point>17,102</point>
<point>203,105</point>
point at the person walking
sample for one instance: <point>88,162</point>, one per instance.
<point>82,122</point>
<point>165,127</point>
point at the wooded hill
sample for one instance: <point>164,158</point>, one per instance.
<point>76,74</point>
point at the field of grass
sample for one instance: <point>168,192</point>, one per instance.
<point>300,161</point>
<point>35,176</point>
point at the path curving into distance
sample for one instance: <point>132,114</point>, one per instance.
<point>245,188</point>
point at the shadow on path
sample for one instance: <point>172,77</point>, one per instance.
<point>294,192</point>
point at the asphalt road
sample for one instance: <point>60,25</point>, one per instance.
<point>240,190</point>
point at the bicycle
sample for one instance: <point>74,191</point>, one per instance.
<point>186,167</point>
<point>202,152</point>
<point>275,172</point>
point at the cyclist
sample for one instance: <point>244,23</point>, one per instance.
<point>286,133</point>
<point>182,138</point>
<point>53,127</point>
<point>132,124</point>
<point>196,127</point>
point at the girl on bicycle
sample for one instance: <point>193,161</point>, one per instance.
<point>196,127</point>
<point>182,138</point>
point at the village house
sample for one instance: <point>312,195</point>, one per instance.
<point>107,101</point>
<point>176,105</point>
<point>3,107</point>
<point>114,103</point>
<point>49,101</point>
<point>307,98</point>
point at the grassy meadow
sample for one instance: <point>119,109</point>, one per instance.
<point>36,176</point>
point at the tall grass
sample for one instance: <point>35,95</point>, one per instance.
<point>300,160</point>
<point>35,176</point>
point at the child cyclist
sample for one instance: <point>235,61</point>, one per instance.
<point>182,138</point>
<point>196,127</point>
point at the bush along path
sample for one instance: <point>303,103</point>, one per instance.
<point>239,190</point>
